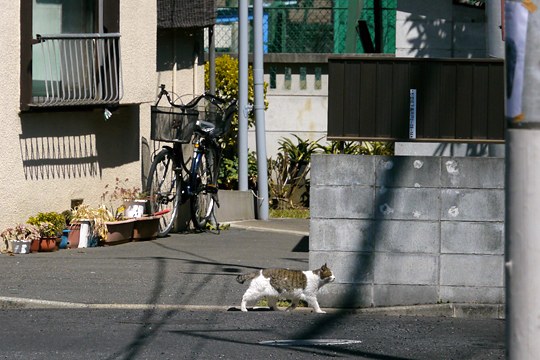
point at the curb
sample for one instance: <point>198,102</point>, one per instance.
<point>462,311</point>
<point>239,225</point>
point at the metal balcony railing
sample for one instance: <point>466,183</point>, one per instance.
<point>77,69</point>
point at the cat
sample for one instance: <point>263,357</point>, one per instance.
<point>294,285</point>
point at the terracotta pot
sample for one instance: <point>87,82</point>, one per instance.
<point>44,244</point>
<point>74,235</point>
<point>146,228</point>
<point>119,232</point>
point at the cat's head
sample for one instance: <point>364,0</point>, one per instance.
<point>326,275</point>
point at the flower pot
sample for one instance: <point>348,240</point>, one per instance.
<point>85,233</point>
<point>20,246</point>
<point>74,235</point>
<point>119,232</point>
<point>134,208</point>
<point>64,239</point>
<point>44,244</point>
<point>146,228</point>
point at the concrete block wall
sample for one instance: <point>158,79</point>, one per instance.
<point>408,230</point>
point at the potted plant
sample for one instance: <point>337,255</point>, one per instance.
<point>129,200</point>
<point>17,239</point>
<point>84,230</point>
<point>50,225</point>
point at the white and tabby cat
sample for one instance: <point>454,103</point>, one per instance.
<point>294,285</point>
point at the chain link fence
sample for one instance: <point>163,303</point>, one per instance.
<point>305,26</point>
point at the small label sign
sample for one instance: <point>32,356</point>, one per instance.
<point>412,114</point>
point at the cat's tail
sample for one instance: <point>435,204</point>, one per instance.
<point>242,278</point>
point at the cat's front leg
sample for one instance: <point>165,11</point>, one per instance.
<point>312,301</point>
<point>272,303</point>
<point>243,305</point>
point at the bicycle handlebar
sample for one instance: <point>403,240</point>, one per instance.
<point>212,98</point>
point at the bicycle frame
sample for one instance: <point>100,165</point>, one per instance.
<point>198,183</point>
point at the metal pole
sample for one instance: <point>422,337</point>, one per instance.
<point>243,109</point>
<point>260,128</point>
<point>522,29</point>
<point>354,10</point>
<point>495,43</point>
<point>212,59</point>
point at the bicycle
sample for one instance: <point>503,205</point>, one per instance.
<point>170,182</point>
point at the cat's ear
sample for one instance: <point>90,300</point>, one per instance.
<point>324,266</point>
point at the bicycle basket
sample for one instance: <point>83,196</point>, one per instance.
<point>214,114</point>
<point>171,124</point>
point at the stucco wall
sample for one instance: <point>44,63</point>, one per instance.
<point>408,230</point>
<point>51,157</point>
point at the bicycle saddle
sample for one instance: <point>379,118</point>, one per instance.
<point>206,127</point>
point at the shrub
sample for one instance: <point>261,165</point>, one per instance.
<point>227,87</point>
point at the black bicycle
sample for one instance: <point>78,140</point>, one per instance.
<point>174,179</point>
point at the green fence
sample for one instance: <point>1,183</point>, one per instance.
<point>308,26</point>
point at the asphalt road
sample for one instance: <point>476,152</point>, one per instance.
<point>156,334</point>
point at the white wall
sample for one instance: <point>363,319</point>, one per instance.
<point>438,28</point>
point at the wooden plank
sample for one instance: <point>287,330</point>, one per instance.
<point>447,98</point>
<point>368,85</point>
<point>464,98</point>
<point>384,99</point>
<point>479,108</point>
<point>496,98</point>
<point>352,99</point>
<point>336,76</point>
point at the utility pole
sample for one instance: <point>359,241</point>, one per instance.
<point>260,128</point>
<point>522,29</point>
<point>243,50</point>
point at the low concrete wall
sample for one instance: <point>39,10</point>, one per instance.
<point>408,230</point>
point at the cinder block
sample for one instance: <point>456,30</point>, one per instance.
<point>472,237</point>
<point>342,170</point>
<point>405,269</point>
<point>345,202</point>
<point>235,205</point>
<point>394,295</point>
<point>345,295</point>
<point>472,173</point>
<point>348,267</point>
<point>406,236</point>
<point>471,294</point>
<point>407,203</point>
<point>341,235</point>
<point>472,205</point>
<point>408,171</point>
<point>472,270</point>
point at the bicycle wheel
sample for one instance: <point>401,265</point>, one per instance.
<point>163,190</point>
<point>204,187</point>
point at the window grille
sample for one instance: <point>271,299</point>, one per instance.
<point>78,69</point>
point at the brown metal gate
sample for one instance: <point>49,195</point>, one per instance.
<point>373,98</point>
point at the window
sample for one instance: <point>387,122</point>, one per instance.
<point>70,53</point>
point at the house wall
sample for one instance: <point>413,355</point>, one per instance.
<point>408,230</point>
<point>54,156</point>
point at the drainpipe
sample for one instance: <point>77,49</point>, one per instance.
<point>212,60</point>
<point>258,82</point>
<point>522,29</point>
<point>243,109</point>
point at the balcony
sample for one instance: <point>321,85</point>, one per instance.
<point>76,70</point>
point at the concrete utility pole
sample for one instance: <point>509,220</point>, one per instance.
<point>243,49</point>
<point>522,28</point>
